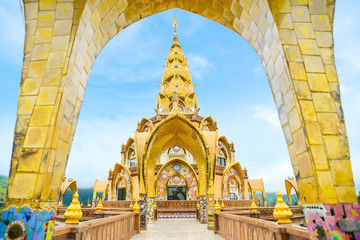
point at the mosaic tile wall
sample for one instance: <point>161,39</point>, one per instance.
<point>185,172</point>
<point>150,210</point>
<point>203,209</point>
<point>329,221</point>
<point>143,204</point>
<point>27,223</point>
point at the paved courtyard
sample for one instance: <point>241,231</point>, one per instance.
<point>177,229</point>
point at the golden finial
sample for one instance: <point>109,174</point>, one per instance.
<point>175,23</point>
<point>198,205</point>
<point>131,205</point>
<point>155,206</point>
<point>136,207</point>
<point>217,206</point>
<point>222,204</point>
<point>73,213</point>
<point>99,207</point>
<point>282,211</point>
<point>253,206</point>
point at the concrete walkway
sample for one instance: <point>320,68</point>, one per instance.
<point>177,228</point>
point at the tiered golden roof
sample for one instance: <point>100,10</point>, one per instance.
<point>176,87</point>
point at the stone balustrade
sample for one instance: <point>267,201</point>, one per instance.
<point>234,227</point>
<point>117,204</point>
<point>122,226</point>
<point>87,211</point>
<point>266,213</point>
<point>232,204</point>
<point>176,204</point>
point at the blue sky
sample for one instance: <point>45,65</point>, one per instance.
<point>230,84</point>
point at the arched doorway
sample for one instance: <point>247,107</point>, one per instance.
<point>121,183</point>
<point>233,183</point>
<point>176,177</point>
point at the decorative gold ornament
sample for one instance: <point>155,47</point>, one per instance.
<point>217,207</point>
<point>253,206</point>
<point>155,206</point>
<point>198,206</point>
<point>222,204</point>
<point>99,207</point>
<point>300,203</point>
<point>136,207</point>
<point>73,213</point>
<point>60,204</point>
<point>282,211</point>
<point>131,205</point>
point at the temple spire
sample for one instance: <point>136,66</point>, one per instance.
<point>176,94</point>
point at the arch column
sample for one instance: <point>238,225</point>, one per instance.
<point>321,159</point>
<point>293,39</point>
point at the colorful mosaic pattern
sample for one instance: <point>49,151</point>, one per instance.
<point>166,178</point>
<point>122,180</point>
<point>210,211</point>
<point>324,222</point>
<point>231,176</point>
<point>203,208</point>
<point>26,223</point>
<point>143,203</point>
<point>150,210</point>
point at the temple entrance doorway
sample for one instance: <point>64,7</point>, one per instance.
<point>121,194</point>
<point>176,193</point>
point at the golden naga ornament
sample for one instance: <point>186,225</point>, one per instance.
<point>282,211</point>
<point>73,213</point>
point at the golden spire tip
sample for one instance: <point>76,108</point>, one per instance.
<point>175,23</point>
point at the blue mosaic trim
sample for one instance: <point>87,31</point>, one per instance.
<point>27,223</point>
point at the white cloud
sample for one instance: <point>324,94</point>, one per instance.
<point>345,89</point>
<point>257,68</point>
<point>273,174</point>
<point>199,66</point>
<point>96,147</point>
<point>268,115</point>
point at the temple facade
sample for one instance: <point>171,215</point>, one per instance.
<point>177,154</point>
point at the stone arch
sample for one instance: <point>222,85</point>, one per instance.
<point>293,40</point>
<point>116,177</point>
<point>183,162</point>
<point>127,152</point>
<point>223,143</point>
<point>144,124</point>
<point>304,84</point>
<point>176,129</point>
<point>207,124</point>
<point>227,175</point>
<point>291,184</point>
<point>64,187</point>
